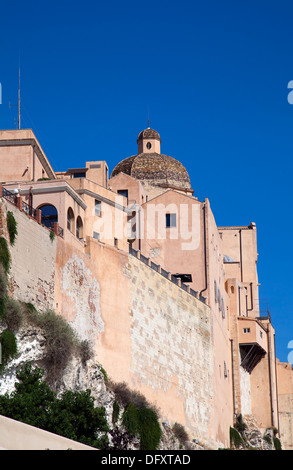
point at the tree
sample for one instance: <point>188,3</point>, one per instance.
<point>73,415</point>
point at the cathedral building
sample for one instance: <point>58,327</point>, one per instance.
<point>169,299</point>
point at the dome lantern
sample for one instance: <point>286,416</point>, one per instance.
<point>149,141</point>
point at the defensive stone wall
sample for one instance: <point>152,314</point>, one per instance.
<point>145,329</point>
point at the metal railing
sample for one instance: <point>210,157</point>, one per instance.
<point>29,210</point>
<point>166,274</point>
<point>9,196</point>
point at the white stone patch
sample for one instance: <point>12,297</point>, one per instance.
<point>83,289</point>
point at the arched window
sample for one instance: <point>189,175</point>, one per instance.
<point>49,214</point>
<point>70,220</point>
<point>79,228</point>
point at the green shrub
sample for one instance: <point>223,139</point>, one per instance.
<point>235,438</point>
<point>3,291</point>
<point>61,341</point>
<point>4,254</point>
<point>115,413</point>
<point>130,419</point>
<point>149,429</point>
<point>13,314</point>
<point>12,227</point>
<point>277,444</point>
<point>52,235</point>
<point>143,423</point>
<point>73,415</point>
<point>3,282</point>
<point>8,347</point>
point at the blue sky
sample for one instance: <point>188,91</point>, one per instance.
<point>214,76</point>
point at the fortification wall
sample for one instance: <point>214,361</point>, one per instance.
<point>145,330</point>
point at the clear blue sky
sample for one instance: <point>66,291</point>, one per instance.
<point>214,76</point>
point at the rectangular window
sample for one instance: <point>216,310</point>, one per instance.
<point>116,242</point>
<point>96,236</point>
<point>170,220</point>
<point>123,192</point>
<point>98,208</point>
<point>79,175</point>
<point>246,330</point>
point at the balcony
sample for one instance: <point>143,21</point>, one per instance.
<point>252,342</point>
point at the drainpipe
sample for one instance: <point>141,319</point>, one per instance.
<point>205,249</point>
<point>240,248</point>
<point>233,380</point>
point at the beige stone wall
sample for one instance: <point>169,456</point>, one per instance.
<point>171,350</point>
<point>32,273</point>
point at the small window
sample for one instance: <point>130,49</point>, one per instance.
<point>70,220</point>
<point>260,334</point>
<point>123,192</point>
<point>149,145</point>
<point>116,242</point>
<point>79,175</point>
<point>246,330</point>
<point>170,220</point>
<point>96,235</point>
<point>98,208</point>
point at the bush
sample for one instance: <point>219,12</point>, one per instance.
<point>235,438</point>
<point>13,314</point>
<point>12,227</point>
<point>125,396</point>
<point>4,254</point>
<point>61,341</point>
<point>73,415</point>
<point>116,411</point>
<point>277,444</point>
<point>149,429</point>
<point>8,347</point>
<point>180,433</point>
<point>143,423</point>
<point>3,282</point>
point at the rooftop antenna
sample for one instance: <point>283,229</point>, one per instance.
<point>149,117</point>
<point>19,102</point>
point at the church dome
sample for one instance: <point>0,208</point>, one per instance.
<point>152,167</point>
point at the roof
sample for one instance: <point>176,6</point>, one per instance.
<point>154,168</point>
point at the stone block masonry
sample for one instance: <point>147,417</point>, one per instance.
<point>171,348</point>
<point>32,262</point>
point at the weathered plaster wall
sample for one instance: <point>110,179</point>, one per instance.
<point>32,273</point>
<point>146,331</point>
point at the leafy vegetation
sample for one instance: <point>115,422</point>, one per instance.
<point>235,438</point>
<point>73,415</point>
<point>12,227</point>
<point>180,433</point>
<point>8,347</point>
<point>143,423</point>
<point>4,254</point>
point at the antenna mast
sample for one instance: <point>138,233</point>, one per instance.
<point>19,105</point>
<point>19,102</point>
